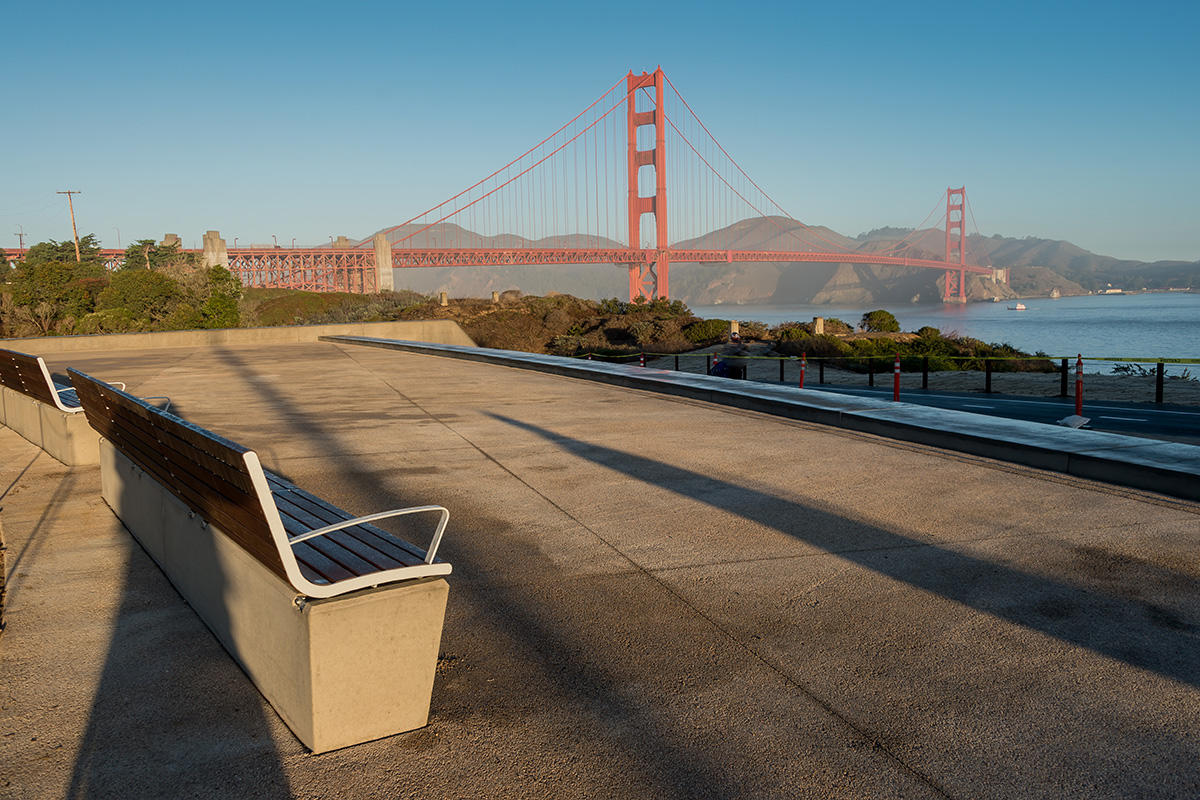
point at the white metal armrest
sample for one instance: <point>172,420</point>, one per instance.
<point>167,407</point>
<point>396,512</point>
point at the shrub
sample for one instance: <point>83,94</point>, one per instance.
<point>928,332</point>
<point>822,345</point>
<point>835,326</point>
<point>749,329</point>
<point>707,331</point>
<point>148,296</point>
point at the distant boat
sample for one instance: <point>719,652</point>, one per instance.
<point>1017,307</point>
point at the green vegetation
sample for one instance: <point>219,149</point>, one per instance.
<point>880,321</point>
<point>156,288</point>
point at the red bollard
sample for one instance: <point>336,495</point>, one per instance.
<point>589,356</point>
<point>896,379</point>
<point>803,367</point>
<point>714,364</point>
<point>641,359</point>
<point>1079,386</point>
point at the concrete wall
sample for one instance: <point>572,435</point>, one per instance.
<point>66,437</point>
<point>340,671</point>
<point>439,331</point>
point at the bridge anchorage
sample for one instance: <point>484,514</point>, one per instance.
<point>565,201</point>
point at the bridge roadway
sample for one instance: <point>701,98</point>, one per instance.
<point>652,597</point>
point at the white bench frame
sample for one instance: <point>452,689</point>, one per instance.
<point>284,542</point>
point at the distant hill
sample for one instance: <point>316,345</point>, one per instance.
<point>1037,267</point>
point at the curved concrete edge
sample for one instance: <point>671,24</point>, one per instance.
<point>1170,468</point>
<point>445,331</point>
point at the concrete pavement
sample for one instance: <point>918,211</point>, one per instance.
<point>652,596</point>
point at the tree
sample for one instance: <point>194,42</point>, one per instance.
<point>45,293</point>
<point>46,252</point>
<point>879,321</point>
<point>145,254</point>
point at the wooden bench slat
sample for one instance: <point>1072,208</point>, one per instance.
<point>165,442</point>
<point>311,559</point>
<point>154,450</point>
<point>390,547</point>
<point>21,372</point>
<point>330,548</point>
<point>296,520</point>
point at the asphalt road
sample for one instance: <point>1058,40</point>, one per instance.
<point>1177,423</point>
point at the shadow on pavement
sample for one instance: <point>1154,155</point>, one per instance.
<point>1138,633</point>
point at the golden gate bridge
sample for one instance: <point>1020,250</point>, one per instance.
<point>596,191</point>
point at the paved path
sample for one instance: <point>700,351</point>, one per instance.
<point>651,597</point>
<point>1171,423</point>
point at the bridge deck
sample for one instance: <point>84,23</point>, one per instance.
<point>652,597</point>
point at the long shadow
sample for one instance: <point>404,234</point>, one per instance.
<point>679,767</point>
<point>1142,634</point>
<point>172,716</point>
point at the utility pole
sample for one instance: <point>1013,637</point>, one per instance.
<point>20,234</point>
<point>74,231</point>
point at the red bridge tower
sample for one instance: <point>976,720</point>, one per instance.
<point>956,246</point>
<point>651,278</point>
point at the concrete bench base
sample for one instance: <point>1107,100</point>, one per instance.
<point>66,437</point>
<point>340,671</point>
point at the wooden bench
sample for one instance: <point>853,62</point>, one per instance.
<point>336,621</point>
<point>42,410</point>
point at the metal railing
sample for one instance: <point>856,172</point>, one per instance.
<point>796,369</point>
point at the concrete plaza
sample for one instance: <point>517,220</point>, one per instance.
<point>652,597</point>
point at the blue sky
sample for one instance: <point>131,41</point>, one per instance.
<point>1078,121</point>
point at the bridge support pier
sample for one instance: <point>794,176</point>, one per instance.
<point>385,280</point>
<point>214,254</point>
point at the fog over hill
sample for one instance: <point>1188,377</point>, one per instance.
<point>1038,266</point>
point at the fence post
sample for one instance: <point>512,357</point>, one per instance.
<point>821,371</point>
<point>1079,386</point>
<point>925,372</point>
<point>677,363</point>
<point>1158,383</point>
<point>870,371</point>
<point>896,379</point>
<point>987,376</point>
<point>781,370</point>
<point>803,367</point>
<point>1062,387</point>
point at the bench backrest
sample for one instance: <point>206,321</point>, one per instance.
<point>220,480</point>
<point>28,375</point>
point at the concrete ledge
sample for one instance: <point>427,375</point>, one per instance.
<point>66,437</point>
<point>340,671</point>
<point>1167,467</point>
<point>440,330</point>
